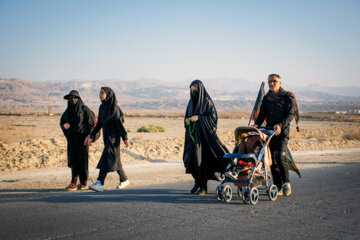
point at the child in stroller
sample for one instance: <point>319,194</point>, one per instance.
<point>237,166</point>
<point>246,142</point>
<point>248,167</point>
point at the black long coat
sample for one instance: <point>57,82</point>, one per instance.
<point>82,122</point>
<point>204,155</point>
<point>111,121</point>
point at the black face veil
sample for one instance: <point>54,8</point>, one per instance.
<point>201,103</point>
<point>74,114</point>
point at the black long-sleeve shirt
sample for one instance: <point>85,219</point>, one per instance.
<point>279,112</point>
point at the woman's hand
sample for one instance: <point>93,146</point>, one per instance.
<point>127,143</point>
<point>66,126</point>
<point>277,130</point>
<point>88,141</point>
<point>194,118</point>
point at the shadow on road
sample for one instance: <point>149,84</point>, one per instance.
<point>339,163</point>
<point>124,196</point>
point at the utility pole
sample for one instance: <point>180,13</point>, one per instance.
<point>50,106</point>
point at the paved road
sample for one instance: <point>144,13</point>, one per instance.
<point>325,204</point>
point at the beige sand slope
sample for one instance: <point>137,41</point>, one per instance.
<point>33,150</point>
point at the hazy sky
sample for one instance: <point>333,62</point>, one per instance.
<point>304,41</point>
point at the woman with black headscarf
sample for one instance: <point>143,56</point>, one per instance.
<point>111,120</point>
<point>203,150</point>
<point>77,122</point>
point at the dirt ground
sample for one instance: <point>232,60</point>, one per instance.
<point>33,149</point>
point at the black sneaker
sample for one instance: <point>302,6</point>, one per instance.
<point>195,188</point>
<point>287,189</point>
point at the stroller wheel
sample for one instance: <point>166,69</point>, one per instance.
<point>239,192</point>
<point>272,192</point>
<point>227,193</point>
<point>219,193</point>
<point>246,195</point>
<point>254,195</point>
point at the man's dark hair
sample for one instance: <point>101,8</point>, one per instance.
<point>274,75</point>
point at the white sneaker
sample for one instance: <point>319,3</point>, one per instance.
<point>97,186</point>
<point>123,185</point>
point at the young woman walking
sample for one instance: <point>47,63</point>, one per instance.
<point>111,120</point>
<point>77,122</point>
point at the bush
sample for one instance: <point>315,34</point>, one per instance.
<point>352,135</point>
<point>151,128</point>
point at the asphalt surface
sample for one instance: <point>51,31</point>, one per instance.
<point>325,204</point>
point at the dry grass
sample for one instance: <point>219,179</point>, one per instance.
<point>330,117</point>
<point>137,138</point>
<point>11,180</point>
<point>351,133</point>
<point>151,129</point>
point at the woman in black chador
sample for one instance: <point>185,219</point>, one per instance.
<point>203,150</point>
<point>77,122</point>
<point>111,120</point>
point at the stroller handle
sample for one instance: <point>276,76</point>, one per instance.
<point>267,130</point>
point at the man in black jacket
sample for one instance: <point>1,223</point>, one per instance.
<point>278,111</point>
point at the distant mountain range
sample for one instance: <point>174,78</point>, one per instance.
<point>145,95</point>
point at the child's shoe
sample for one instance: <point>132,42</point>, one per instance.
<point>97,186</point>
<point>219,176</point>
<point>231,175</point>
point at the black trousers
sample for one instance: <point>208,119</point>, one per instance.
<point>76,173</point>
<point>200,181</point>
<point>280,165</point>
<point>103,174</point>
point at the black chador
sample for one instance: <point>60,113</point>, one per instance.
<point>111,120</point>
<point>82,121</point>
<point>203,150</point>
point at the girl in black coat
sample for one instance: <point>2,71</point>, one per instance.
<point>203,150</point>
<point>111,120</point>
<point>77,122</point>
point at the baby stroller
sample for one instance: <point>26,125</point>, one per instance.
<point>253,171</point>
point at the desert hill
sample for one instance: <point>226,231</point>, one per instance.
<point>160,96</point>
